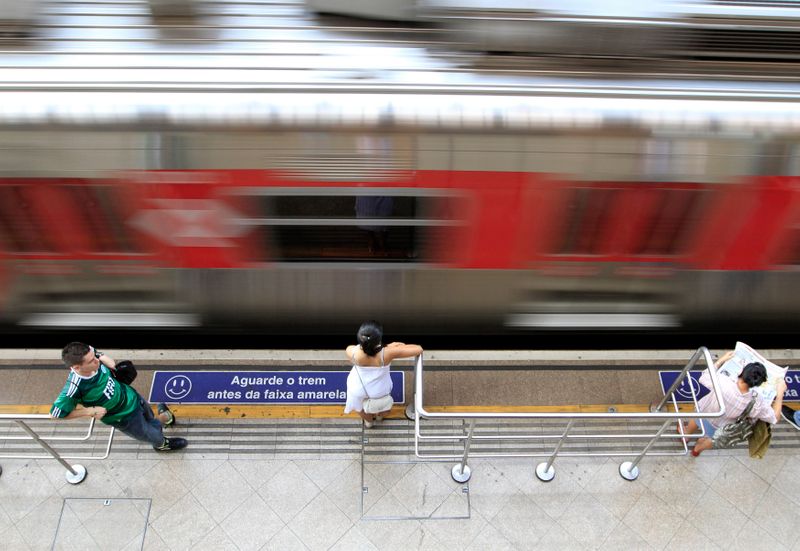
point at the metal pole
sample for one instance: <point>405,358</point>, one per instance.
<point>461,472</point>
<point>75,475</point>
<point>545,471</point>
<point>678,380</point>
<point>628,470</point>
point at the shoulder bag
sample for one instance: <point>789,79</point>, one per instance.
<point>737,431</point>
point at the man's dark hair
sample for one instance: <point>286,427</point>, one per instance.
<point>73,353</point>
<point>754,374</point>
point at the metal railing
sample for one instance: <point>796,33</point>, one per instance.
<point>629,470</point>
<point>75,473</point>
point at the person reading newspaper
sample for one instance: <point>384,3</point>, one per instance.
<point>743,381</point>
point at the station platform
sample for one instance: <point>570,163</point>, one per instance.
<point>308,477</point>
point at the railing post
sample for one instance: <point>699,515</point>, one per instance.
<point>677,382</point>
<point>545,471</point>
<point>629,470</point>
<point>461,472</point>
<point>75,474</point>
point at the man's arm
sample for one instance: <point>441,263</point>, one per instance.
<point>777,403</point>
<point>105,359</point>
<point>98,412</point>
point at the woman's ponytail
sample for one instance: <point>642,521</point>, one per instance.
<point>369,337</point>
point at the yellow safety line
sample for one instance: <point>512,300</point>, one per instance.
<point>325,412</point>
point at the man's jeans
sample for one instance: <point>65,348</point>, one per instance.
<point>142,424</point>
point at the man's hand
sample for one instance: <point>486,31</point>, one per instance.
<point>98,412</point>
<point>781,387</point>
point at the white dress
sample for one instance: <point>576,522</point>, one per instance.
<point>376,379</point>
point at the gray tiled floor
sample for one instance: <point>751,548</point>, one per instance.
<point>718,501</point>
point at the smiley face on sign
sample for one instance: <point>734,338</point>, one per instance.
<point>178,387</point>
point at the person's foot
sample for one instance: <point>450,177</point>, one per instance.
<point>788,414</point>
<point>368,424</point>
<point>171,444</point>
<point>378,418</point>
<point>162,408</point>
<point>695,453</point>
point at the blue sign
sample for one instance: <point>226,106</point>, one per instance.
<point>684,392</point>
<point>258,387</point>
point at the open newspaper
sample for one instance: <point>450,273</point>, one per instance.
<point>744,355</point>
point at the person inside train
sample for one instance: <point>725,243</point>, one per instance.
<point>373,206</point>
<point>369,384</point>
<point>737,395</point>
<point>92,390</point>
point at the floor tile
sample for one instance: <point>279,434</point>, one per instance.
<point>687,536</point>
<point>752,536</point>
<point>612,491</point>
<point>38,527</point>
<point>258,471</point>
<point>285,540</point>
<point>778,516</point>
<point>161,485</point>
<point>641,517</point>
<point>184,525</point>
<point>216,540</point>
<point>288,492</point>
<point>623,538</point>
<point>676,486</point>
<point>587,521</point>
<point>767,467</point>
<point>346,491</point>
<point>455,533</point>
<point>252,524</point>
<point>385,534</point>
<point>490,488</point>
<point>521,521</point>
<point>787,481</point>
<point>323,472</point>
<point>421,491</point>
<point>25,485</point>
<point>740,486</point>
<point>13,540</point>
<point>353,540</point>
<point>717,518</point>
<point>320,524</point>
<point>490,538</point>
<point>222,491</point>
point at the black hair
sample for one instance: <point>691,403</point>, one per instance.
<point>754,374</point>
<point>369,337</point>
<point>73,353</point>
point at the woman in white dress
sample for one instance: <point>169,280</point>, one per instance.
<point>369,377</point>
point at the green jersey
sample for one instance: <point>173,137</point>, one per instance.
<point>101,389</point>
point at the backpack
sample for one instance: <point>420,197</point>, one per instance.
<point>737,431</point>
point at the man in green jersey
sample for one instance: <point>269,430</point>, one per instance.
<point>91,385</point>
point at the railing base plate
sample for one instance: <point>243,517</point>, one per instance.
<point>459,475</point>
<point>77,478</point>
<point>543,473</point>
<point>628,471</point>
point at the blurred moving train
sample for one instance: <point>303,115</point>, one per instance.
<point>669,28</point>
<point>588,208</point>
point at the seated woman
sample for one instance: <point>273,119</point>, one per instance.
<point>737,395</point>
<point>369,377</point>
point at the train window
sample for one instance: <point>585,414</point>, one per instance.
<point>676,214</point>
<point>369,224</point>
<point>790,254</point>
<point>588,211</point>
<point>31,215</point>
<point>20,229</point>
<point>630,220</point>
<point>106,225</point>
